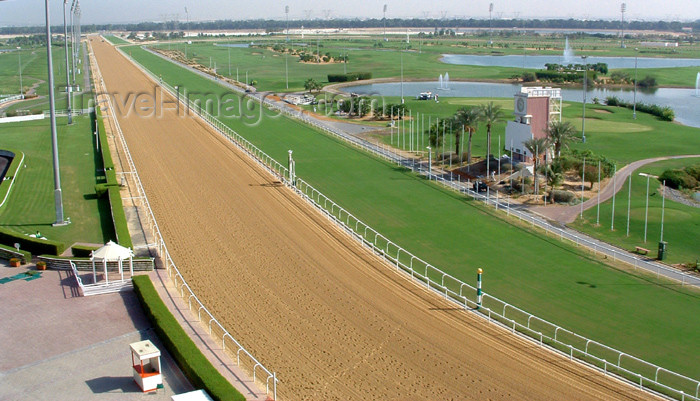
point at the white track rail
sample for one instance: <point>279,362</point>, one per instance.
<point>633,370</point>
<point>174,273</point>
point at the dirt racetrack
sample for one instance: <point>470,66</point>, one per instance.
<point>332,320</point>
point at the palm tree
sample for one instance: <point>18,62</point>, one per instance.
<point>536,146</point>
<point>490,115</point>
<point>469,119</point>
<point>436,132</point>
<point>560,134</point>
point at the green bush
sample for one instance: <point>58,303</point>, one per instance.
<point>663,112</point>
<point>694,171</point>
<point>82,251</point>
<point>119,218</point>
<point>678,179</point>
<point>5,253</point>
<point>33,245</point>
<point>528,77</point>
<point>351,76</point>
<point>559,196</point>
<point>194,365</point>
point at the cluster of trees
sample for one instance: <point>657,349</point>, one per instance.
<point>597,67</point>
<point>311,85</point>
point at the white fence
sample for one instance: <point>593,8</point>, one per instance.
<point>607,359</point>
<point>9,98</point>
<point>179,281</point>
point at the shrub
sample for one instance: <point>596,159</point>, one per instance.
<point>33,245</point>
<point>694,171</point>
<point>528,77</point>
<point>194,365</point>
<point>559,196</point>
<point>351,76</point>
<point>647,82</point>
<point>678,179</point>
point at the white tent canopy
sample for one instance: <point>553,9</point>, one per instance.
<point>112,252</point>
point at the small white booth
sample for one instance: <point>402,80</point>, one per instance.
<point>145,358</point>
<point>112,252</point>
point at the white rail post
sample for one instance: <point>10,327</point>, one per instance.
<point>478,288</point>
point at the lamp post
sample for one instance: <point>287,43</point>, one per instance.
<point>286,11</point>
<point>583,180</point>
<point>646,210</point>
<point>21,87</point>
<point>58,196</point>
<point>585,85</point>
<point>430,163</point>
<point>634,106</point>
<point>69,89</point>
<point>402,101</point>
<point>663,205</point>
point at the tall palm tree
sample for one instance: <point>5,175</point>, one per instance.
<point>560,134</point>
<point>536,146</point>
<point>469,119</point>
<point>490,115</point>
<point>436,133</point>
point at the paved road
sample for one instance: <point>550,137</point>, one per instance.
<point>567,214</point>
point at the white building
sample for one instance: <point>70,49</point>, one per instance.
<point>534,108</point>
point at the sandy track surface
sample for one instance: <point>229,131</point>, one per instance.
<point>332,320</point>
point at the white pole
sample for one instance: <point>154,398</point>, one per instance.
<point>479,293</point>
<point>597,220</point>
<point>629,201</point>
<point>583,180</point>
<point>499,154</point>
<point>612,219</point>
<point>663,205</point>
<point>646,212</point>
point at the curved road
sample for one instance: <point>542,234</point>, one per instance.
<point>567,214</point>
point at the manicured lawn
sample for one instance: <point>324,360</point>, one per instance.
<point>115,39</point>
<point>650,319</point>
<point>30,207</point>
<point>681,222</point>
<point>420,58</point>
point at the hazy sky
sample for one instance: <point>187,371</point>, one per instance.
<point>31,12</point>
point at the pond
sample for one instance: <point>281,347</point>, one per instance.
<point>683,101</point>
<point>534,61</point>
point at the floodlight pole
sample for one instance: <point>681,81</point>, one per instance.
<point>634,106</point>
<point>585,85</point>
<point>402,100</point>
<point>21,86</point>
<point>597,219</point>
<point>69,89</point>
<point>663,206</point>
<point>58,197</point>
<point>612,218</point>
<point>646,209</point>
<point>430,163</point>
<point>629,200</point>
<point>583,180</point>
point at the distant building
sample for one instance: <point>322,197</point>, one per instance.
<point>534,108</point>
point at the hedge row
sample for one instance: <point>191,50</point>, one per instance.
<point>555,76</point>
<point>8,252</point>
<point>351,76</point>
<point>119,217</point>
<point>686,178</point>
<point>82,251</point>
<point>111,187</point>
<point>662,112</point>
<point>33,245</point>
<point>194,365</point>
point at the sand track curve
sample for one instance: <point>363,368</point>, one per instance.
<point>331,319</point>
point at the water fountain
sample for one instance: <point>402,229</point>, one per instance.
<point>444,83</point>
<point>568,53</point>
<point>697,85</point>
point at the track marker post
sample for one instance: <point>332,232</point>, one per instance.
<point>292,172</point>
<point>479,293</point>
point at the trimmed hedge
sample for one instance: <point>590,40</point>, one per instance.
<point>351,76</point>
<point>662,112</point>
<point>107,163</point>
<point>199,371</point>
<point>8,252</point>
<point>121,228</point>
<point>33,245</point>
<point>82,251</point>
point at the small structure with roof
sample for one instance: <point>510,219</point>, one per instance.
<point>110,254</point>
<point>145,359</point>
